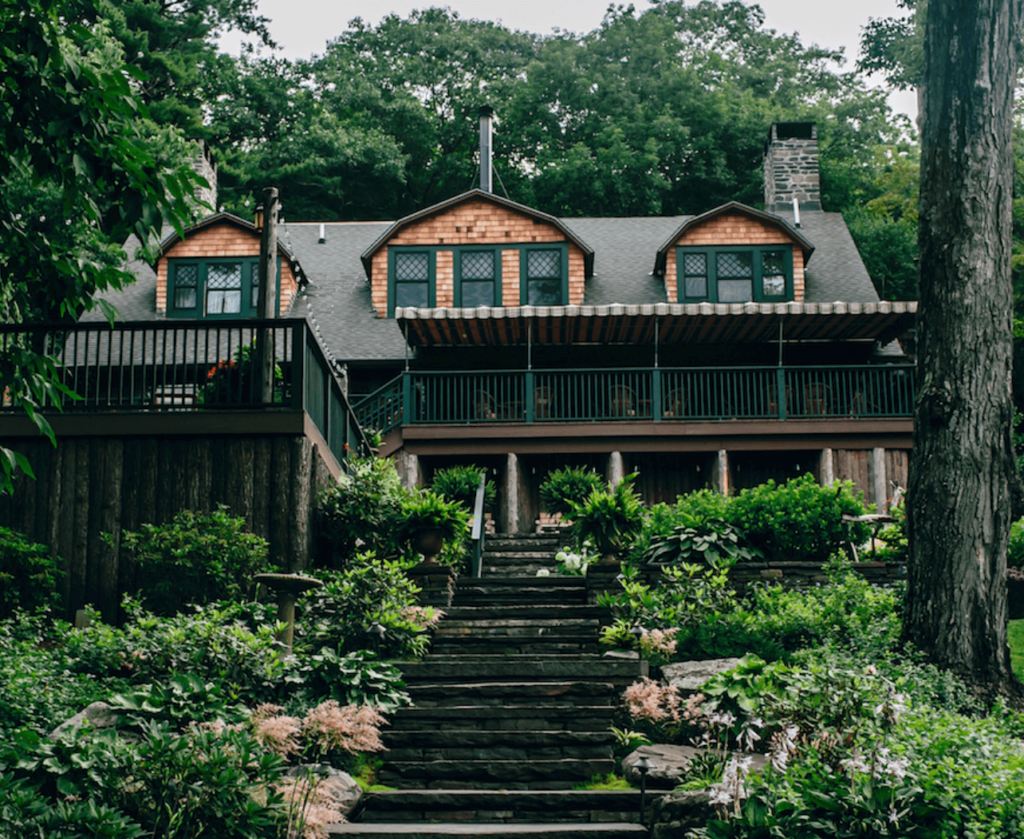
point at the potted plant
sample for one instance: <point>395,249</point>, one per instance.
<point>429,520</point>
<point>460,483</point>
<point>612,518</point>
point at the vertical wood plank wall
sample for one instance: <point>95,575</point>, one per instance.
<point>89,486</point>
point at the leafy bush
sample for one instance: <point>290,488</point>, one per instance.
<point>799,520</point>
<point>1015,550</point>
<point>564,488</point>
<point>690,510</point>
<point>234,646</point>
<point>198,558</point>
<point>28,574</point>
<point>203,782</point>
<point>338,615</point>
<point>40,684</point>
<point>612,518</point>
<point>460,483</point>
<point>713,542</point>
<point>361,512</point>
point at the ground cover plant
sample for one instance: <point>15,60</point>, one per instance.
<point>863,736</point>
<point>210,724</point>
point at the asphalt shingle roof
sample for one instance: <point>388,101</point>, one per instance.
<point>337,299</point>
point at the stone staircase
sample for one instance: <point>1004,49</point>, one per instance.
<point>511,710</point>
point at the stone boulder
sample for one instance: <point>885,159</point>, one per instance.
<point>669,764</point>
<point>676,813</point>
<point>344,789</point>
<point>690,676</point>
<point>97,715</point>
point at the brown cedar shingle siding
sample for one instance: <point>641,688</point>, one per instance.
<point>475,223</point>
<point>733,229</point>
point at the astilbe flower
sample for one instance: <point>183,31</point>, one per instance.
<point>275,730</point>
<point>425,616</point>
<point>649,700</point>
<point>354,728</point>
<point>659,642</point>
<point>312,805</point>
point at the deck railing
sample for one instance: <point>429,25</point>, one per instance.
<point>640,394</point>
<point>188,366</point>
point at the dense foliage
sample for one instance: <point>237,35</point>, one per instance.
<point>460,483</point>
<point>197,558</point>
<point>562,489</point>
<point>28,574</point>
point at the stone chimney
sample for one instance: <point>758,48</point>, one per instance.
<point>204,166</point>
<point>791,167</point>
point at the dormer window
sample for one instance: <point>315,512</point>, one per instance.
<point>413,277</point>
<point>478,274</point>
<point>214,288</point>
<point>735,274</point>
<point>545,281</point>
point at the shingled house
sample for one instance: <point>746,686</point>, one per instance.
<point>718,350</point>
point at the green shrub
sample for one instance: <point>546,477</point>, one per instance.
<point>712,541</point>
<point>198,558</point>
<point>28,574</point>
<point>234,645</point>
<point>564,488</point>
<point>460,483</point>
<point>361,512</point>
<point>800,520</point>
<point>690,510</point>
<point>611,518</point>
<point>338,615</point>
<point>1015,550</point>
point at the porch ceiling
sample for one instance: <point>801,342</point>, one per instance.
<point>694,323</point>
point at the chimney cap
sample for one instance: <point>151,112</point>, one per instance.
<point>486,111</point>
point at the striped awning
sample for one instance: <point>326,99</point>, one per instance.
<point>668,323</point>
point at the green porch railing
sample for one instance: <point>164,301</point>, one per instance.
<point>157,367</point>
<point>633,394</point>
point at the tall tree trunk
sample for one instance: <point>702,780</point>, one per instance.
<point>962,468</point>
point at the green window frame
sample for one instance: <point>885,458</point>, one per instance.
<point>477,276</point>
<point>762,274</point>
<point>412,275</point>
<point>215,289</point>
<point>542,283</point>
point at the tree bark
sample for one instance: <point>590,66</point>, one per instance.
<point>962,467</point>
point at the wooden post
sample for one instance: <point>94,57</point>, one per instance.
<point>268,295</point>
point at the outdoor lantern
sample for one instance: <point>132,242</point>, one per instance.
<point>643,766</point>
<point>258,219</point>
<point>376,635</point>
<point>638,633</point>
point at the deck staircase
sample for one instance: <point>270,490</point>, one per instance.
<point>511,710</point>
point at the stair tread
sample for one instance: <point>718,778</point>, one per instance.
<point>551,831</point>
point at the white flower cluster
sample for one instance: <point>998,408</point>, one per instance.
<point>732,789</point>
<point>572,563</point>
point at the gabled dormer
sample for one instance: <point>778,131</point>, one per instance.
<point>212,272</point>
<point>734,254</point>
<point>474,250</point>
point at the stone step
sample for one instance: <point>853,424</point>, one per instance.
<point>557,773</point>
<point>523,668</point>
<point>522,647</point>
<point>518,628</point>
<point>494,544</point>
<point>460,744</point>
<point>515,716</point>
<point>507,806</point>
<point>492,595</point>
<point>610,830</point>
<point>555,611</point>
<point>510,557</point>
<point>433,694</point>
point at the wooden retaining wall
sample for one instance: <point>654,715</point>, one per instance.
<point>95,485</point>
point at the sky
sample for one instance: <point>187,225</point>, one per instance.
<point>303,27</point>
